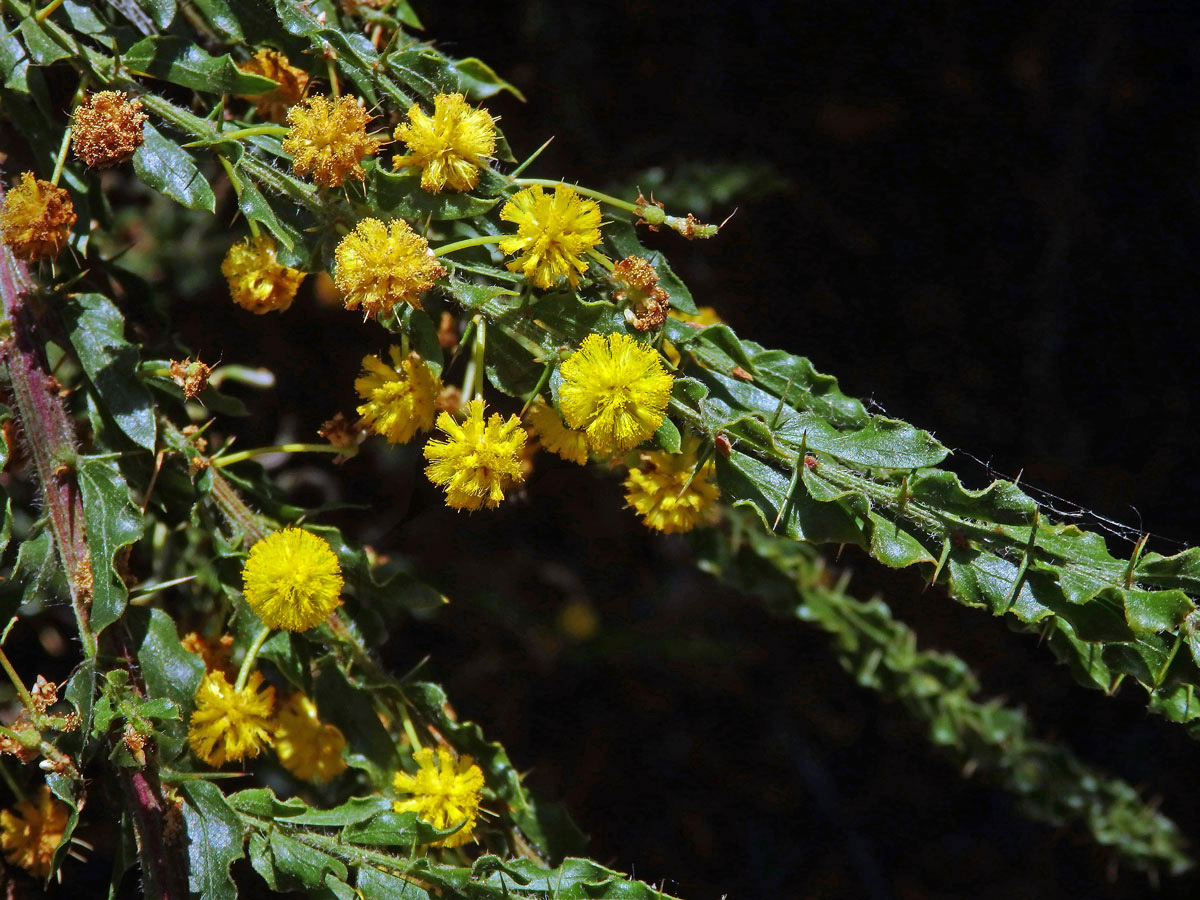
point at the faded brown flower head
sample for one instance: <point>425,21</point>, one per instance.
<point>638,287</point>
<point>214,653</point>
<point>448,331</point>
<point>191,375</point>
<point>43,693</point>
<point>107,129</point>
<point>341,433</point>
<point>272,64</point>
<point>36,218</point>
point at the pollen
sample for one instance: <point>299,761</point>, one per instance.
<point>555,436</point>
<point>31,831</point>
<point>272,64</point>
<point>554,231</point>
<point>400,399</point>
<point>615,390</point>
<point>328,139</point>
<point>479,460</point>
<point>445,793</point>
<point>229,724</point>
<point>308,748</point>
<point>670,493</point>
<point>451,146</point>
<point>107,130</point>
<point>292,580</point>
<point>258,281</point>
<point>36,218</point>
<point>378,266</point>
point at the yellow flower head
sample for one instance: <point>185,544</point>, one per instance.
<point>292,580</point>
<point>229,724</point>
<point>555,436</point>
<point>308,748</point>
<point>665,493</point>
<point>272,64</point>
<point>31,831</point>
<point>553,234</point>
<point>400,398</point>
<point>378,266</point>
<point>328,138</point>
<point>451,146</point>
<point>36,218</point>
<point>107,129</point>
<point>444,793</point>
<point>257,280</point>
<point>479,461</point>
<point>615,390</point>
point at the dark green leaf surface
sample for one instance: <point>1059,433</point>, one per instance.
<point>112,522</point>
<point>215,836</point>
<point>188,65</point>
<point>165,166</point>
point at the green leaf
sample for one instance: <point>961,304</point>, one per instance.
<point>161,11</point>
<point>215,836</point>
<point>35,574</point>
<point>255,208</point>
<point>168,669</point>
<point>399,195</point>
<point>112,522</point>
<point>479,80</point>
<point>70,792</point>
<point>379,885</point>
<point>165,166</point>
<point>43,49</point>
<point>223,18</point>
<point>668,436</point>
<point>393,829</point>
<point>352,812</point>
<point>622,237</point>
<point>351,709</point>
<point>263,803</point>
<point>181,62</point>
<point>307,865</point>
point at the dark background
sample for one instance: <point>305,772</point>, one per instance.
<point>983,218</point>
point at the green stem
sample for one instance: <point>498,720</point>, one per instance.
<point>468,242</point>
<point>478,348</point>
<point>334,87</point>
<point>587,192</point>
<point>47,11</point>
<point>251,656</point>
<point>61,159</point>
<point>221,462</point>
<point>602,259</point>
<point>22,691</point>
<point>251,131</point>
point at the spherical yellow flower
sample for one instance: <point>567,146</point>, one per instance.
<point>451,146</point>
<point>36,218</point>
<point>616,390</point>
<point>479,461</point>
<point>328,138</point>
<point>272,64</point>
<point>257,280</point>
<point>400,399</point>
<point>378,266</point>
<point>292,580</point>
<point>229,724</point>
<point>107,129</point>
<point>444,793</point>
<point>555,436</point>
<point>308,748</point>
<point>553,234</point>
<point>667,491</point>
<point>31,831</point>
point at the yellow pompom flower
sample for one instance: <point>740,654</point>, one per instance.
<point>661,494</point>
<point>36,218</point>
<point>107,130</point>
<point>479,461</point>
<point>257,280</point>
<point>555,436</point>
<point>378,266</point>
<point>615,390</point>
<point>553,234</point>
<point>444,794</point>
<point>451,146</point>
<point>328,138</point>
<point>31,831</point>
<point>292,580</point>
<point>401,399</point>
<point>272,64</point>
<point>308,748</point>
<point>229,724</point>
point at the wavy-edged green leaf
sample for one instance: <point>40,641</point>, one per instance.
<point>224,17</point>
<point>165,166</point>
<point>182,62</point>
<point>162,12</point>
<point>43,49</point>
<point>215,835</point>
<point>169,671</point>
<point>479,80</point>
<point>399,194</point>
<point>112,522</point>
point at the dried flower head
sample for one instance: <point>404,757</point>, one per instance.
<point>448,331</point>
<point>554,231</point>
<point>257,280</point>
<point>669,492</point>
<point>638,289</point>
<point>449,399</point>
<point>308,748</point>
<point>479,460</point>
<point>555,436</point>
<point>214,653</point>
<point>378,266</point>
<point>293,82</point>
<point>444,794</point>
<point>292,580</point>
<point>31,831</point>
<point>451,146</point>
<point>340,432</point>
<point>328,138</point>
<point>614,389</point>
<point>191,375</point>
<point>229,724</point>
<point>400,398</point>
<point>36,218</point>
<point>107,130</point>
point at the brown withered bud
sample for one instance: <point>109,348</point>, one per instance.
<point>341,433</point>
<point>638,287</point>
<point>448,332</point>
<point>135,741</point>
<point>272,64</point>
<point>107,130</point>
<point>449,400</point>
<point>191,375</point>
<point>214,653</point>
<point>739,372</point>
<point>44,694</point>
<point>25,749</point>
<point>192,433</point>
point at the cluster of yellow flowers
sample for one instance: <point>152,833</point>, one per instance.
<point>31,831</point>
